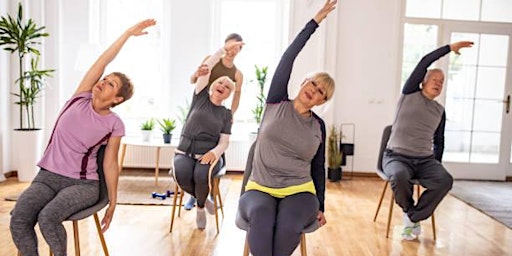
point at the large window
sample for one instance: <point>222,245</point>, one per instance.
<point>475,80</point>
<point>146,60</point>
<point>263,26</point>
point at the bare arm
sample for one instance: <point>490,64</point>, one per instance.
<point>96,70</point>
<point>239,77</point>
<point>110,167</point>
<point>202,81</point>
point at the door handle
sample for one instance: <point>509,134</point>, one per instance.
<point>507,104</point>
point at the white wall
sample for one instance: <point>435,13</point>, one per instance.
<point>367,73</point>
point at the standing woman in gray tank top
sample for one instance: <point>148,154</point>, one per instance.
<point>285,191</point>
<point>205,136</point>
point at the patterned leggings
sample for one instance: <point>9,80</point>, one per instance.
<point>49,200</point>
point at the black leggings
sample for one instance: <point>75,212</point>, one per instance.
<point>192,176</point>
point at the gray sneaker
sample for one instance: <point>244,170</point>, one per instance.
<point>210,207</point>
<point>200,218</point>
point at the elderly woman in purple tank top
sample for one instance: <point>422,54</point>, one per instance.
<point>285,191</point>
<point>68,179</point>
<point>205,135</point>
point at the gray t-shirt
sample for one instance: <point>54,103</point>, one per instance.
<point>286,145</point>
<point>205,122</point>
<point>417,118</point>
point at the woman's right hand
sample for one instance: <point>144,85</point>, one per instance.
<point>326,9</point>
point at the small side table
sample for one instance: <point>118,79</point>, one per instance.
<point>139,143</point>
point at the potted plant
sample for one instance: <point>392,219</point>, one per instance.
<point>20,37</point>
<point>334,154</point>
<point>167,125</point>
<point>146,128</point>
<point>261,78</point>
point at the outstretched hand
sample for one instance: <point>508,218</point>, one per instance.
<point>138,29</point>
<point>455,47</point>
<point>326,9</point>
<point>231,45</point>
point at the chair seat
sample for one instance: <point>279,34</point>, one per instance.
<point>89,211</point>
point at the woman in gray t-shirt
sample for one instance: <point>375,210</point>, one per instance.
<point>205,136</point>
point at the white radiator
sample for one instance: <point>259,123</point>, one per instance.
<point>145,157</point>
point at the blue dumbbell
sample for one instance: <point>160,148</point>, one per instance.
<point>161,196</point>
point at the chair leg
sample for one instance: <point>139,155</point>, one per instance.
<point>174,201</point>
<point>392,202</point>
<point>380,200</point>
<point>216,211</point>
<point>433,226</point>
<point>246,246</point>
<point>182,193</point>
<point>303,250</point>
<point>76,237</point>
<point>217,188</point>
<point>100,234</point>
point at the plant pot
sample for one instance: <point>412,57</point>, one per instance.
<point>167,138</point>
<point>27,149</point>
<point>334,174</point>
<point>146,135</point>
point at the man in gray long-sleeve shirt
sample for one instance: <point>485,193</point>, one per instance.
<point>416,144</point>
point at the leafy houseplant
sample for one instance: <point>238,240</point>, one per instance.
<point>167,125</point>
<point>147,127</point>
<point>334,153</point>
<point>19,37</point>
<point>261,78</point>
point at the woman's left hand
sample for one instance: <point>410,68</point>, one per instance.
<point>321,218</point>
<point>109,214</point>
<point>208,158</point>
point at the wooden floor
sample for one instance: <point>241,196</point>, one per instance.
<point>350,206</point>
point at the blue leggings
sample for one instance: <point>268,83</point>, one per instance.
<point>49,200</point>
<point>276,224</point>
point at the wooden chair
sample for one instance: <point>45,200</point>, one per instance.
<point>383,144</point>
<point>243,224</point>
<point>214,188</point>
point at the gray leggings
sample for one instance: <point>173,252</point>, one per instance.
<point>49,200</point>
<point>276,224</point>
<point>192,176</point>
<point>430,173</point>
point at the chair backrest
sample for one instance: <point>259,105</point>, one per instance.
<point>383,144</point>
<point>248,167</point>
<point>103,196</point>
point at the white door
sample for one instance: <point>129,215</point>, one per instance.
<point>477,95</point>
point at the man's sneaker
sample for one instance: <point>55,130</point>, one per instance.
<point>411,229</point>
<point>209,206</point>
<point>190,203</point>
<point>416,229</point>
<point>200,218</point>
<point>407,234</point>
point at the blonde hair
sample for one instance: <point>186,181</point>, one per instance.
<point>233,84</point>
<point>327,81</point>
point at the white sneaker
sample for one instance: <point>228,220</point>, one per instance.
<point>210,207</point>
<point>200,218</point>
<point>411,229</point>
<point>416,229</point>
